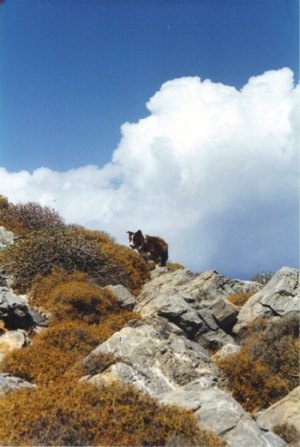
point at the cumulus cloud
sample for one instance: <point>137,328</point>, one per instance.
<point>212,169</point>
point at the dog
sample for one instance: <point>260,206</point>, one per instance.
<point>149,247</point>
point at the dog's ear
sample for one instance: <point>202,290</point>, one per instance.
<point>139,233</point>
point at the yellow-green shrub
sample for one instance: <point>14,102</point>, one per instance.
<point>266,368</point>
<point>4,204</point>
<point>175,266</point>
<point>58,351</point>
<point>75,297</point>
<point>81,338</point>
<point>69,336</point>
<point>84,415</point>
<point>38,363</point>
<point>78,300</point>
<point>239,299</point>
<point>24,218</point>
<point>73,248</point>
<point>288,432</point>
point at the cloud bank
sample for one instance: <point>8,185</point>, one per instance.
<point>212,169</point>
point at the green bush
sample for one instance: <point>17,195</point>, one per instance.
<point>73,248</point>
<point>24,218</point>
<point>266,368</point>
<point>84,415</point>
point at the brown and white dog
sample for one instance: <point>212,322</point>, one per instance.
<point>149,247</point>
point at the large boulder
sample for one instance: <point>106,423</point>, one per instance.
<point>195,303</point>
<point>211,284</point>
<point>285,412</point>
<point>218,412</point>
<point>279,297</point>
<point>156,357</point>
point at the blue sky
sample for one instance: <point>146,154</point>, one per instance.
<point>73,72</point>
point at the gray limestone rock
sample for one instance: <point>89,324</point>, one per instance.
<point>13,310</point>
<point>126,299</point>
<point>284,412</point>
<point>175,294</point>
<point>218,412</point>
<point>279,297</point>
<point>12,340</point>
<point>156,359</point>
<point>6,237</point>
<point>10,383</point>
<point>225,351</point>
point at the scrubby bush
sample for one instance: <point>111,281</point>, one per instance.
<point>80,337</point>
<point>3,203</point>
<point>24,218</point>
<point>85,415</point>
<point>78,300</point>
<point>239,299</point>
<point>69,336</point>
<point>73,248</point>
<point>74,296</point>
<point>38,363</point>
<point>263,277</point>
<point>266,368</point>
<point>175,266</point>
<point>287,432</point>
<point>57,352</point>
<point>97,363</point>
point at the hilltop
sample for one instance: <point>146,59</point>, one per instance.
<point>97,347</point>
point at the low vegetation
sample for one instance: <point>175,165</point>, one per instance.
<point>24,218</point>
<point>45,243</point>
<point>84,415</point>
<point>289,433</point>
<point>263,277</point>
<point>267,367</point>
<point>239,299</point>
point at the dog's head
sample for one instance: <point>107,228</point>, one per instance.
<point>136,240</point>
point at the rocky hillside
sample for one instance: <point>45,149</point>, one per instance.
<point>222,352</point>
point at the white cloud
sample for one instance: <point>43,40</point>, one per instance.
<point>212,169</point>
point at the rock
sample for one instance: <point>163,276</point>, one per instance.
<point>279,297</point>
<point>3,282</point>
<point>126,299</point>
<point>224,314</point>
<point>210,285</point>
<point>225,351</point>
<point>15,313</point>
<point>12,340</point>
<point>6,237</point>
<point>157,357</point>
<point>218,412</point>
<point>284,412</point>
<point>175,295</point>
<point>13,310</point>
<point>10,383</point>
<point>37,319</point>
